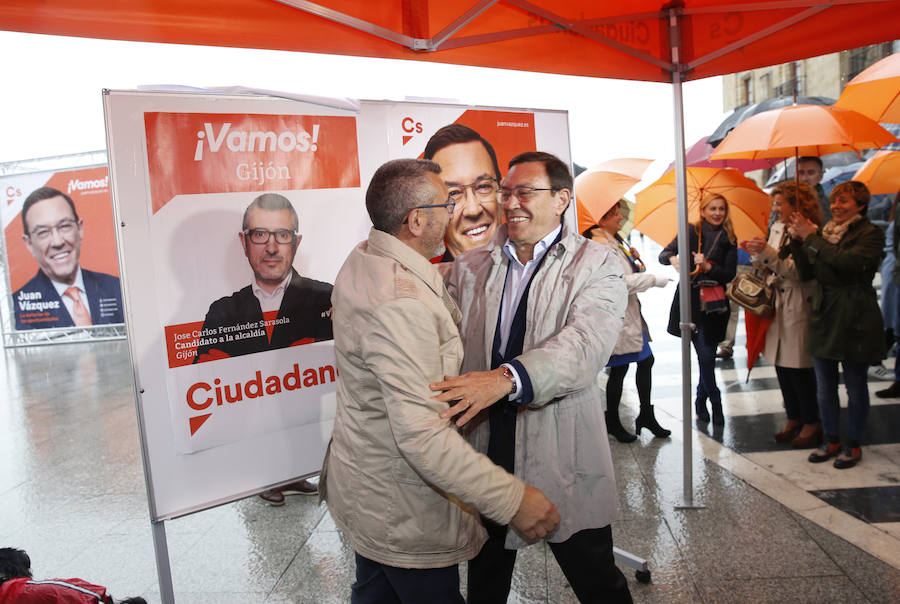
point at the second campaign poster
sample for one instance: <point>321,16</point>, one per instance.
<point>61,249</point>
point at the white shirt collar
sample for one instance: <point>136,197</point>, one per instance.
<point>540,248</point>
<point>62,287</point>
<point>267,301</point>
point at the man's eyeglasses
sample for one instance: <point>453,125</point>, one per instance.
<point>449,205</point>
<point>65,228</point>
<point>262,236</point>
<point>522,193</point>
<point>485,190</point>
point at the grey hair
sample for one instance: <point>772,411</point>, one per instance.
<point>271,202</point>
<point>396,188</point>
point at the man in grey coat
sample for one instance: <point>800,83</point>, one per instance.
<point>542,309</point>
<point>401,484</point>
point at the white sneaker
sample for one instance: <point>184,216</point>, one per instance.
<point>880,372</point>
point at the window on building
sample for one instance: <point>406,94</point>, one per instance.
<point>765,85</point>
<point>746,90</point>
<point>791,84</point>
<point>860,58</point>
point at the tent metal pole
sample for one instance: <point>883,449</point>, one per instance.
<point>684,267</point>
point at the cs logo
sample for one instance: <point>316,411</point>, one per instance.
<point>409,127</point>
<point>12,193</point>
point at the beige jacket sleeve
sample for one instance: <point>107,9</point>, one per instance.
<point>402,348</point>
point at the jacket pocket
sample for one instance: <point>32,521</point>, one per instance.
<point>579,422</point>
<point>422,519</point>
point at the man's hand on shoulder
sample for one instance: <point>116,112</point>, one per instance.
<point>473,392</point>
<point>537,516</point>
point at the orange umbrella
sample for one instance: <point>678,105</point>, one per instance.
<point>802,130</point>
<point>599,188</point>
<point>875,92</point>
<point>656,213</point>
<point>881,172</point>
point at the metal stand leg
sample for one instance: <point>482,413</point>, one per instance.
<point>640,565</point>
<point>163,570</point>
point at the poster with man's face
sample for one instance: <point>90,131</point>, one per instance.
<point>60,244</point>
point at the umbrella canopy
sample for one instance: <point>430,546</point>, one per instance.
<point>601,187</point>
<point>802,130</point>
<point>876,91</point>
<point>741,114</point>
<point>698,155</point>
<point>748,206</point>
<point>881,172</point>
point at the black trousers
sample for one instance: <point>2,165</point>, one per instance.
<point>586,559</point>
<point>378,583</point>
<point>798,387</point>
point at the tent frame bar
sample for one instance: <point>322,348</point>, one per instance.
<point>763,33</point>
<point>443,40</point>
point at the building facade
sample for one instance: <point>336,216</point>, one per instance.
<point>818,76</point>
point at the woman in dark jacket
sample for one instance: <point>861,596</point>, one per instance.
<point>716,261</point>
<point>845,323</point>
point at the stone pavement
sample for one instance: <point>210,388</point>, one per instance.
<point>772,527</point>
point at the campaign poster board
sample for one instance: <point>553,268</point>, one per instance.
<point>233,399</point>
<point>54,256</point>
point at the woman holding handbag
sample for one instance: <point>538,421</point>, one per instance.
<point>845,323</point>
<point>786,337</point>
<point>712,266</point>
<point>633,345</point>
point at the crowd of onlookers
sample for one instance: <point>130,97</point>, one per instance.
<point>819,258</point>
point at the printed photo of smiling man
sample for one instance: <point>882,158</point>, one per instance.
<point>279,308</point>
<point>62,293</point>
<point>470,170</point>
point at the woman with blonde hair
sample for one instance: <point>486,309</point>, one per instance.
<point>714,263</point>
<point>786,337</point>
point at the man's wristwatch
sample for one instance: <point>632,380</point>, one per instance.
<point>509,375</point>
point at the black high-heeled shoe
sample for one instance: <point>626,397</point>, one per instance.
<point>647,419</point>
<point>614,426</point>
<point>700,410</point>
<point>718,417</point>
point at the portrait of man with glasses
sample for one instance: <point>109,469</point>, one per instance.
<point>279,308</point>
<point>469,169</point>
<point>62,293</point>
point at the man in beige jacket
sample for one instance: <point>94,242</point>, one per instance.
<point>400,482</point>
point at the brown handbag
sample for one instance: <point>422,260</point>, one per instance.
<point>752,291</point>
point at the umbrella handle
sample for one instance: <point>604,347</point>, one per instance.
<point>699,246</point>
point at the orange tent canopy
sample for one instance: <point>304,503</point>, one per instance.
<point>630,39</point>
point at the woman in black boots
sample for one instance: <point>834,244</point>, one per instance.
<point>633,344</point>
<point>713,260</point>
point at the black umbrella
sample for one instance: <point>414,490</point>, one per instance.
<point>741,113</point>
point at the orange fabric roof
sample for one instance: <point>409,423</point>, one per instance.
<point>578,37</point>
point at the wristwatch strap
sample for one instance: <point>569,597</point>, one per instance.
<point>509,375</point>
